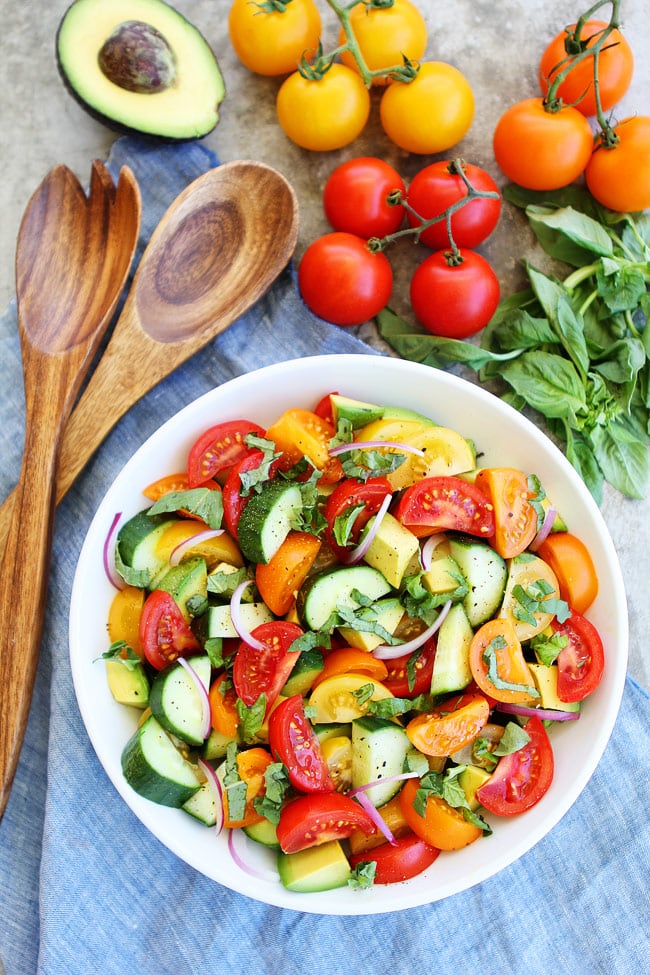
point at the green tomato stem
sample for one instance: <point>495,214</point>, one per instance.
<point>402,72</point>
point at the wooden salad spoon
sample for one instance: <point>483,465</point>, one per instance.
<point>72,260</point>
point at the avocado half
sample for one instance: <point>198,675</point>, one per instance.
<point>140,66</point>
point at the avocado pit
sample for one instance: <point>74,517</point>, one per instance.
<point>138,58</point>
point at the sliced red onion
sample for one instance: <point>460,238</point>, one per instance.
<point>377,819</point>
<point>357,553</point>
<point>432,543</point>
<point>549,519</point>
<point>203,695</point>
<point>217,792</point>
<point>189,543</point>
<point>242,863</point>
<point>109,563</point>
<point>386,652</point>
<point>404,448</point>
<point>544,714</point>
<point>235,614</point>
<point>400,777</point>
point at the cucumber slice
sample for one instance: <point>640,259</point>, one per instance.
<point>333,588</point>
<point>266,520</point>
<point>451,669</point>
<point>154,767</point>
<point>185,582</point>
<point>175,701</point>
<point>379,748</point>
<point>137,541</point>
<point>486,573</point>
<point>305,671</point>
<point>202,805</point>
<point>215,746</point>
<point>264,833</point>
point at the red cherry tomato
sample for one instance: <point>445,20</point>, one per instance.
<point>436,187</point>
<point>454,300</point>
<point>438,504</point>
<point>397,681</point>
<point>521,778</point>
<point>582,662</point>
<point>314,819</point>
<point>355,198</point>
<point>293,742</point>
<point>164,633</point>
<point>343,281</point>
<point>234,501</point>
<point>265,671</point>
<point>405,858</point>
<point>351,494</point>
<point>218,449</point>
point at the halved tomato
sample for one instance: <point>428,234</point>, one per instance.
<point>280,578</point>
<point>515,519</point>
<point>397,680</point>
<point>265,671</point>
<point>582,662</point>
<point>438,504</point>
<point>164,634</point>
<point>573,565</point>
<point>218,449</point>
<point>452,726</point>
<point>301,433</point>
<point>223,710</point>
<point>314,819</point>
<point>406,857</point>
<point>345,660</point>
<point>521,778</point>
<point>509,678</point>
<point>293,742</point>
<point>442,826</point>
<point>365,495</point>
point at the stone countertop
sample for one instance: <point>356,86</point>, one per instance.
<point>496,45</point>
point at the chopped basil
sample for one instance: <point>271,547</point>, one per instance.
<point>344,523</point>
<point>446,786</point>
<point>534,599</point>
<point>120,650</point>
<point>251,717</point>
<point>205,503</point>
<point>513,738</point>
<point>547,648</point>
<point>363,875</point>
<point>276,784</point>
<point>490,660</point>
<point>234,786</point>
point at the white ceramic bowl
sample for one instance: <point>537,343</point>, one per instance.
<point>503,437</point>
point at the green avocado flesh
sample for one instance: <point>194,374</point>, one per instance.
<point>140,66</point>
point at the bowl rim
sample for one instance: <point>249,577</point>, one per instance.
<point>419,382</point>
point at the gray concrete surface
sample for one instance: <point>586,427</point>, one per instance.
<point>496,45</point>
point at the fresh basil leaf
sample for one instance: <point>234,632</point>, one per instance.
<point>363,875</point>
<point>547,647</point>
<point>512,740</point>
<point>620,286</point>
<point>625,463</point>
<point>202,502</point>
<point>549,383</point>
<point>569,231</point>
<point>276,785</point>
<point>251,719</point>
<point>122,651</point>
<point>139,578</point>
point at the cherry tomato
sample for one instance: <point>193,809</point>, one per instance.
<point>343,281</point>
<point>438,504</point>
<point>521,778</point>
<point>574,568</point>
<point>582,662</point>
<point>270,38</point>
<point>293,742</point>
<point>615,69</point>
<point>511,667</point>
<point>234,501</point>
<point>164,633</point>
<point>124,617</point>
<point>314,819</point>
<point>542,149</point>
<point>515,519</point>
<point>397,680</point>
<point>442,826</point>
<point>436,187</point>
<point>619,178</point>
<point>385,35</point>
<point>265,671</point>
<point>455,724</point>
<point>431,113</point>
<point>251,766</point>
<point>355,198</point>
<point>168,484</point>
<point>406,857</point>
<point>218,449</point>
<point>223,710</point>
<point>352,494</point>
<point>326,113</point>
<point>323,408</point>
<point>451,299</point>
<point>278,580</point>
<point>301,433</point>
<point>346,660</point>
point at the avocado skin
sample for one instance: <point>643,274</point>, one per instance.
<point>122,126</point>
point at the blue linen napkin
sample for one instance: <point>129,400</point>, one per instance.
<point>84,887</point>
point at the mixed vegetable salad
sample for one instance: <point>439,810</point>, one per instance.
<point>348,640</point>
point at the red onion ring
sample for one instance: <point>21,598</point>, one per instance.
<point>400,777</point>
<point>356,554</point>
<point>549,519</point>
<point>203,694</point>
<point>345,448</point>
<point>242,864</point>
<point>235,615</point>
<point>108,558</point>
<point>377,819</point>
<point>188,543</point>
<point>217,791</point>
<point>428,548</point>
<point>544,714</point>
<point>386,652</point>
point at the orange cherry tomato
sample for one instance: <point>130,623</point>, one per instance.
<point>542,149</point>
<point>385,35</point>
<point>511,668</point>
<point>251,765</point>
<point>442,826</point>
<point>166,485</point>
<point>279,579</point>
<point>615,69</point>
<point>223,712</point>
<point>300,433</point>
<point>619,178</point>
<point>515,520</point>
<point>348,660</point>
<point>447,730</point>
<point>571,562</point>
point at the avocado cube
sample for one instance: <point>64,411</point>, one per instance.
<point>127,682</point>
<point>391,550</point>
<point>321,867</point>
<point>444,576</point>
<point>470,780</point>
<point>546,683</point>
<point>389,615</point>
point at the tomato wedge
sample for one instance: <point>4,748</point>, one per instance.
<point>223,710</point>
<point>265,671</point>
<point>218,449</point>
<point>397,680</point>
<point>367,496</point>
<point>515,519</point>
<point>447,730</point>
<point>571,562</point>
<point>405,858</point>
<point>164,634</point>
<point>513,681</point>
<point>280,578</point>
<point>442,826</point>
<point>251,766</point>
<point>345,660</point>
<point>521,778</point>
<point>293,742</point>
<point>314,819</point>
<point>438,504</point>
<point>582,662</point>
<point>301,433</point>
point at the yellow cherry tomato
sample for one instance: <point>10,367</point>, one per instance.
<point>431,113</point>
<point>270,37</point>
<point>385,35</point>
<point>334,699</point>
<point>326,113</point>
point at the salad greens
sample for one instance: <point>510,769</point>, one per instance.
<point>574,349</point>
